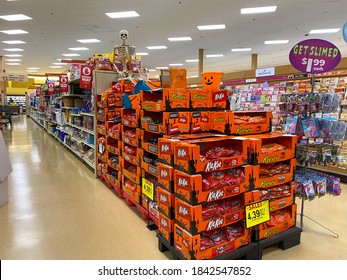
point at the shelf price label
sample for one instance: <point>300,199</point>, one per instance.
<point>148,188</point>
<point>257,213</point>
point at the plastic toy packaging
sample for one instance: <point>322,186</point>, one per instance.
<point>293,126</point>
<point>320,185</point>
<point>310,127</point>
<point>234,231</point>
<point>324,128</point>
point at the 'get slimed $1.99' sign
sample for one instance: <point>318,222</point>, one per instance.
<point>314,56</point>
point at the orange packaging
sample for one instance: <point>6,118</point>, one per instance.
<point>113,180</point>
<point>176,98</point>
<point>190,217</point>
<point>271,139</point>
<point>166,228</point>
<point>134,159</point>
<point>130,117</point>
<point>134,174</point>
<point>219,99</point>
<point>189,156</point>
<point>151,169</point>
<point>103,157</point>
<point>166,203</point>
<point>101,130</point>
<point>149,147</point>
<point>114,99</point>
<point>190,245</point>
<point>278,203</point>
<point>178,77</point>
<point>113,129</point>
<point>188,188</point>
<point>113,146</point>
<point>134,191</point>
<point>278,179</point>
<point>165,177</point>
<point>133,141</point>
<point>101,114</point>
<point>177,122</point>
<point>220,121</point>
<point>200,121</point>
<point>152,122</point>
<point>245,122</point>
<point>266,232</point>
<point>113,113</point>
<point>144,201</point>
<point>111,164</point>
<point>152,101</point>
<point>200,99</point>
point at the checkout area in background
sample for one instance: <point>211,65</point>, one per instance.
<point>17,104</point>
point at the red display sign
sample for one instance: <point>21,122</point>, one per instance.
<point>50,87</point>
<point>86,80</point>
<point>63,84</point>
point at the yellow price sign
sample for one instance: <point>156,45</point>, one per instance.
<point>148,188</point>
<point>257,213</point>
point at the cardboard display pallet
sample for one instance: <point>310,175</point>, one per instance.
<point>284,240</point>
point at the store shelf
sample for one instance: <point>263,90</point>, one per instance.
<point>87,114</point>
<point>76,115</point>
<point>80,128</point>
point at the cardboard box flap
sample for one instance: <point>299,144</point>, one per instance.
<point>5,164</point>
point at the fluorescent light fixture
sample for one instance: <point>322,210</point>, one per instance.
<point>177,39</point>
<point>141,53</point>
<point>84,41</point>
<point>157,47</point>
<point>211,27</point>
<point>14,42</point>
<point>126,14</point>
<point>214,55</point>
<point>70,54</point>
<point>176,64</point>
<point>241,50</point>
<point>192,60</point>
<point>162,67</point>
<point>14,31</point>
<point>276,42</point>
<point>13,55</point>
<point>195,76</point>
<point>33,68</point>
<point>15,17</point>
<point>14,50</point>
<point>59,63</point>
<point>79,49</point>
<point>258,10</point>
<point>323,31</point>
<point>13,63</point>
<point>152,70</point>
<point>13,59</point>
<point>55,66</point>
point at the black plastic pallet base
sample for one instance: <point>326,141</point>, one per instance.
<point>284,240</point>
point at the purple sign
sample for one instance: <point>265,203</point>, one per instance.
<point>314,56</point>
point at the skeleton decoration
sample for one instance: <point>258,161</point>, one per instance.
<point>125,61</point>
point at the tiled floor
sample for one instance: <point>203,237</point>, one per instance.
<point>58,210</point>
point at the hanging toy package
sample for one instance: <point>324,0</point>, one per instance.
<point>310,127</point>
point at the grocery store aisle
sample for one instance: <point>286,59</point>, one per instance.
<point>58,210</point>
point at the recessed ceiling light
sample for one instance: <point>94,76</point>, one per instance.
<point>13,42</point>
<point>33,68</point>
<point>176,64</point>
<point>258,10</point>
<point>122,14</point>
<point>55,66</point>
<point>276,42</point>
<point>322,31</point>
<point>14,31</point>
<point>70,54</point>
<point>84,41</point>
<point>13,59</point>
<point>192,60</point>
<point>241,50</point>
<point>79,49</point>
<point>15,17</point>
<point>142,53</point>
<point>13,64</point>
<point>214,55</point>
<point>177,39</point>
<point>162,67</point>
<point>59,63</point>
<point>211,27</point>
<point>13,55</point>
<point>14,50</point>
<point>157,47</point>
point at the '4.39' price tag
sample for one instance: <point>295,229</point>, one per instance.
<point>257,213</point>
